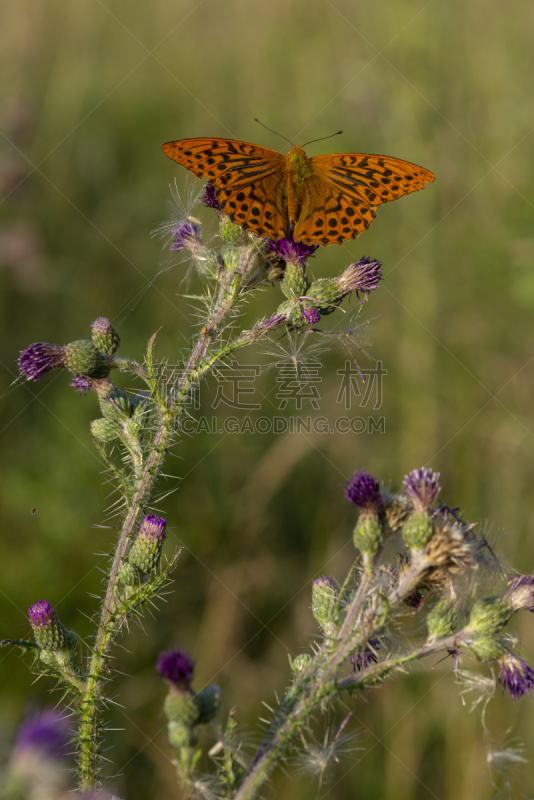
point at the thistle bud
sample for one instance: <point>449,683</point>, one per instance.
<point>231,233</point>
<point>181,706</point>
<point>105,430</point>
<point>327,294</point>
<point>364,491</point>
<point>105,337</point>
<point>325,605</point>
<point>294,283</point>
<point>114,403</point>
<point>82,358</point>
<point>300,663</point>
<point>50,634</point>
<point>145,552</point>
<point>441,621</point>
<point>489,615</point>
<point>422,487</point>
<point>209,700</point>
<point>417,530</point>
<point>486,648</point>
<point>128,575</point>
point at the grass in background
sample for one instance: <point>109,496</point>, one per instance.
<point>90,92</point>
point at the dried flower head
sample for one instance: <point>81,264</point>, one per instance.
<point>422,486</point>
<point>396,511</point>
<point>520,593</point>
<point>452,549</point>
<point>186,235</point>
<point>176,666</point>
<point>364,491</point>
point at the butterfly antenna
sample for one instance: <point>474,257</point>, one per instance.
<point>275,133</point>
<point>322,138</point>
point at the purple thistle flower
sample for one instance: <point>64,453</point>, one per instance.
<point>209,197</point>
<point>46,732</point>
<point>41,614</point>
<point>39,358</point>
<point>184,234</point>
<point>81,383</point>
<point>153,527</point>
<point>516,675</point>
<point>520,593</point>
<point>311,315</point>
<point>363,276</point>
<point>364,491</point>
<point>359,660</point>
<point>422,486</point>
<point>289,250</point>
<point>176,666</point>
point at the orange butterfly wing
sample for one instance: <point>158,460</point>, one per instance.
<point>340,197</point>
<point>250,181</point>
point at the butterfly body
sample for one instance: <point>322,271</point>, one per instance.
<point>319,200</point>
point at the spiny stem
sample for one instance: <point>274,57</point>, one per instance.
<point>226,297</point>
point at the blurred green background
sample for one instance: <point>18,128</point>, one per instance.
<point>90,91</point>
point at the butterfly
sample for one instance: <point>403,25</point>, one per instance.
<point>319,200</point>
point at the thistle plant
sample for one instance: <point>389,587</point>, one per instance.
<point>414,555</point>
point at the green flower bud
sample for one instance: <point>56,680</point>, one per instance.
<point>486,648</point>
<point>114,403</point>
<point>82,358</point>
<point>105,430</point>
<point>489,615</point>
<point>127,574</point>
<point>294,283</point>
<point>368,534</point>
<point>327,293</point>
<point>180,735</point>
<point>182,707</point>
<point>231,233</point>
<point>417,530</point>
<point>209,700</point>
<point>50,634</point>
<point>145,552</point>
<point>105,337</point>
<point>300,663</point>
<point>325,605</point>
<point>441,621</point>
